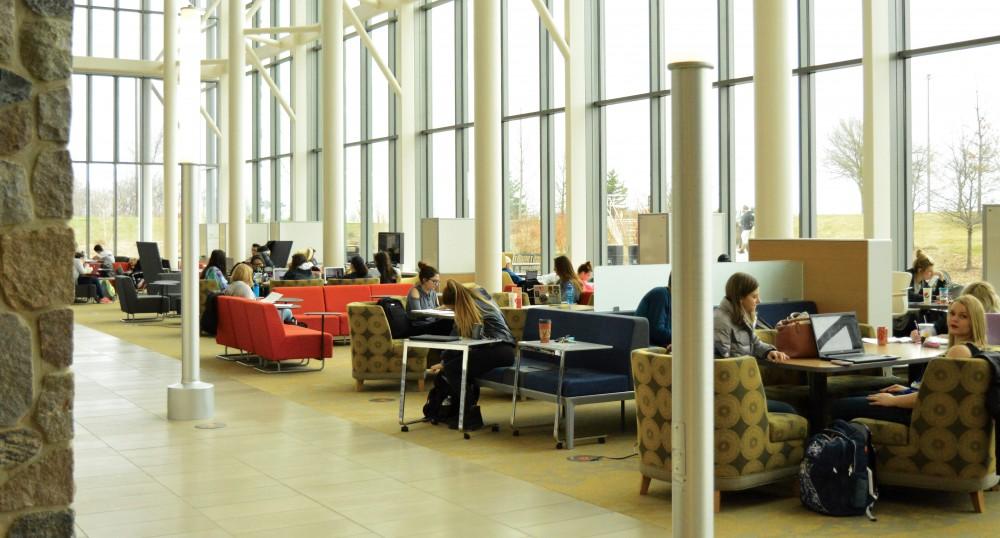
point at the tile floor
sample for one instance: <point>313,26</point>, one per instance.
<point>280,469</point>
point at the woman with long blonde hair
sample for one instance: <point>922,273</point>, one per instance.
<point>568,277</point>
<point>474,318</point>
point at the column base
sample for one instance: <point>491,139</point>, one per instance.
<point>190,401</point>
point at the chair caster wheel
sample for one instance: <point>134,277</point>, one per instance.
<point>517,433</point>
<point>559,446</point>
<point>601,440</point>
<point>466,436</point>
<point>404,428</point>
<point>495,429</point>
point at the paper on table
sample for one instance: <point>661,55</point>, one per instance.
<point>892,340</point>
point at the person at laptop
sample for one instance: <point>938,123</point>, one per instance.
<point>922,275</point>
<point>387,274</point>
<point>895,403</point>
<point>471,311</point>
<point>585,272</point>
<point>359,269</point>
<point>216,269</point>
<point>514,277</point>
<point>734,323</point>
<point>569,281</point>
<point>655,307</point>
<point>241,285</point>
<point>299,268</point>
<point>424,296</point>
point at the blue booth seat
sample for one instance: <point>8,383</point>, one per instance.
<point>772,313</point>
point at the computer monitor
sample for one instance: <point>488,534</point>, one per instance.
<point>280,251</point>
<point>392,244</point>
<point>279,273</point>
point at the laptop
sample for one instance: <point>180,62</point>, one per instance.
<point>435,338</point>
<point>279,273</point>
<point>838,337</point>
<point>531,275</point>
<point>333,272</point>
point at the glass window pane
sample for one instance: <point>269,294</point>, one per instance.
<point>284,122</point>
<point>837,30</point>
<point>559,183</point>
<point>352,91</point>
<point>949,135</point>
<point>80,17</point>
<point>523,187</point>
<point>129,45</point>
<point>470,171</point>
<point>103,40</point>
<point>933,22</point>
<point>522,57</point>
<point>128,119</point>
<point>155,29</point>
<point>442,61</point>
<point>79,220</point>
<point>470,41</point>
<point>380,193</point>
<point>265,101</point>
<point>443,175</point>
<point>838,154</point>
<point>745,159</point>
<point>248,209</point>
<point>742,38</point>
<point>264,191</point>
<point>626,47</point>
<point>352,200</point>
<point>78,123</point>
<point>248,114</point>
<point>558,63</point>
<point>128,210</point>
<point>156,123</point>
<point>102,134</point>
<point>102,204</point>
<point>627,180</point>
<point>380,87</point>
<point>285,186</point>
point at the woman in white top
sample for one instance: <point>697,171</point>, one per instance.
<point>241,285</point>
<point>82,275</point>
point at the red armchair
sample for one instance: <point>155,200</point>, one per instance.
<point>276,342</point>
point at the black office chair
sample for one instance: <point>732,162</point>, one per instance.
<point>86,292</point>
<point>132,303</point>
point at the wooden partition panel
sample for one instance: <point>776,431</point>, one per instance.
<point>839,275</point>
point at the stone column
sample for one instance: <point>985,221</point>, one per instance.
<point>36,201</point>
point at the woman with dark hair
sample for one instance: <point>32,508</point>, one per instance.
<point>585,272</point>
<point>734,328</point>
<point>568,278</point>
<point>474,318</point>
<point>922,275</point>
<point>299,268</point>
<point>387,274</point>
<point>358,268</point>
<point>216,269</point>
<point>655,306</point>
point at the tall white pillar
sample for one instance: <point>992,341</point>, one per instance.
<point>236,54</point>
<point>876,154</point>
<point>170,135</point>
<point>333,133</point>
<point>146,190</point>
<point>406,143</point>
<point>489,160</point>
<point>300,125</point>
<point>692,452</point>
<point>223,122</point>
<point>775,105</point>
<point>576,131</point>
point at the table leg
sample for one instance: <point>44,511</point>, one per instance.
<point>517,371</point>
<point>322,331</point>
<point>461,399</point>
<point>559,402</point>
<point>402,389</point>
<point>817,401</point>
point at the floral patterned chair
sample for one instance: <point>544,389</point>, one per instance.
<point>752,447</point>
<point>948,444</point>
<point>350,281</point>
<point>295,283</point>
<point>374,353</point>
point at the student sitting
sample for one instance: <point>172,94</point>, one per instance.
<point>358,268</point>
<point>966,335</point>
<point>241,285</point>
<point>922,275</point>
<point>734,324</point>
<point>106,258</point>
<point>981,290</point>
<point>569,282</point>
<point>655,306</point>
<point>299,268</point>
<point>387,274</point>
<point>424,296</point>
<point>82,275</point>
<point>585,272</point>
<point>216,269</point>
<point>514,277</point>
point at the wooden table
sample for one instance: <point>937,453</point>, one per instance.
<point>913,356</point>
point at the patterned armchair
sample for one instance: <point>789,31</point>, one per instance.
<point>374,354</point>
<point>350,281</point>
<point>294,283</point>
<point>204,288</point>
<point>752,447</point>
<point>515,318</point>
<point>948,444</point>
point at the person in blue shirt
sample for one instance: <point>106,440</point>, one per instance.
<point>514,277</point>
<point>655,307</point>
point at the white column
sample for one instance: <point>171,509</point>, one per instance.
<point>489,160</point>
<point>333,133</point>
<point>876,151</point>
<point>300,125</point>
<point>236,229</point>
<point>170,164</point>
<point>576,132</point>
<point>223,122</point>
<point>146,190</point>
<point>406,144</point>
<point>775,105</point>
<point>692,448</point>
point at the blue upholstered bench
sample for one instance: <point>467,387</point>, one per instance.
<point>772,313</point>
<point>589,377</point>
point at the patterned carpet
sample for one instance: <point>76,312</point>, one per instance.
<point>612,484</point>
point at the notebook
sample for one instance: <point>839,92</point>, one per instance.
<point>838,337</point>
<point>272,297</point>
<point>435,337</point>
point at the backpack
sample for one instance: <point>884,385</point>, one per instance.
<point>837,476</point>
<point>993,392</point>
<point>442,404</point>
<point>209,322</point>
<point>395,312</point>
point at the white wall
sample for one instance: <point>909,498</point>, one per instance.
<point>622,286</point>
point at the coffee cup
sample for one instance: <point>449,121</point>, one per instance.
<point>927,295</point>
<point>477,331</point>
<point>883,335</point>
<point>926,330</point>
<point>544,330</point>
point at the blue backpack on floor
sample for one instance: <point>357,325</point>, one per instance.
<point>837,475</point>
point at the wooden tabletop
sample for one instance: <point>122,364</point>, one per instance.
<point>908,354</point>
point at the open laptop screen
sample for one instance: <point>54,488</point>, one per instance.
<point>333,272</point>
<point>836,333</point>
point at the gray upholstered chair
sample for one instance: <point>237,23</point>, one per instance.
<point>132,303</point>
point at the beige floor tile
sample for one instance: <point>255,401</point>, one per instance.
<point>79,532</point>
<point>327,529</point>
<point>585,526</point>
<point>206,469</point>
<point>174,509</point>
<point>645,531</point>
<point>264,522</point>
<point>103,466</point>
<point>219,498</point>
<point>215,533</point>
<point>375,513</point>
<point>155,528</point>
<point>433,523</point>
<point>251,508</point>
<point>326,477</point>
<point>149,495</point>
<point>86,483</point>
<point>538,515</point>
<point>185,488</point>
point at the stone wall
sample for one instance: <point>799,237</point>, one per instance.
<point>36,251</point>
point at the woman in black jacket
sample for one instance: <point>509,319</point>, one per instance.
<point>358,268</point>
<point>296,271</point>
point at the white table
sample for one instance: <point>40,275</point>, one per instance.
<point>557,349</point>
<point>433,313</point>
<point>463,345</point>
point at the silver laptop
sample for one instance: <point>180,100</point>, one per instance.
<point>333,272</point>
<point>279,273</point>
<point>838,337</point>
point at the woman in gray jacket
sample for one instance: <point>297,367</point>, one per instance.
<point>734,328</point>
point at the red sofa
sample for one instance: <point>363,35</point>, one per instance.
<point>256,329</point>
<point>335,299</point>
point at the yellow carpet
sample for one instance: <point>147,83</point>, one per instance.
<point>612,484</point>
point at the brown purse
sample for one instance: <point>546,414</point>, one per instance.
<point>795,338</point>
